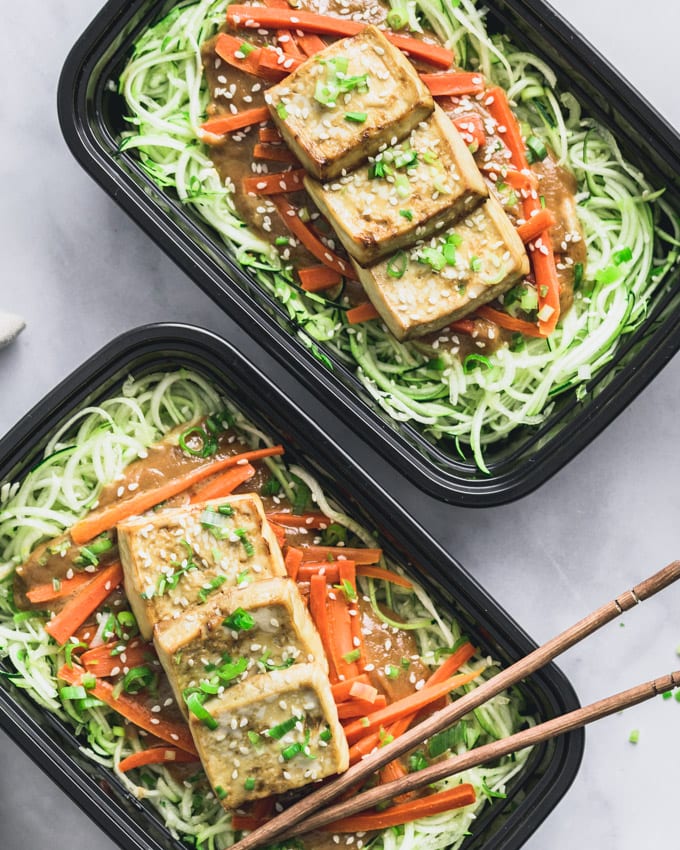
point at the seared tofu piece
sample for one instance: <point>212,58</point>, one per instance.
<point>270,734</point>
<point>342,105</point>
<point>169,559</point>
<point>407,192</point>
<point>237,633</point>
<point>440,280</point>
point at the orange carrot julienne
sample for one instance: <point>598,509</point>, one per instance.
<point>454,83</point>
<point>285,37</point>
<point>312,243</point>
<point>407,705</point>
<point>176,734</point>
<point>331,553</point>
<point>293,560</point>
<point>66,586</point>
<point>347,578</point>
<point>392,771</point>
<point>156,755</point>
<point>496,101</point>
<point>102,663</point>
<point>224,484</point>
<point>363,313</point>
<point>254,17</point>
<point>471,128</point>
<point>364,746</point>
<point>421,807</point>
<point>350,709</point>
<point>275,183</point>
<point>269,134</point>
<point>310,44</point>
<point>223,124</point>
<point>545,272</point>
<point>99,521</point>
<point>290,520</point>
<point>341,690</point>
<point>363,691</point>
<point>279,532</point>
<point>341,638</point>
<point>328,570</point>
<point>452,664</point>
<point>463,326</point>
<point>318,610</point>
<point>275,153</point>
<point>318,278</point>
<point>510,323</point>
<point>276,64</point>
<point>231,50</point>
<point>369,571</point>
<point>535,225</point>
<point>87,600</point>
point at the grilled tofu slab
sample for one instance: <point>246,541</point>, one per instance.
<point>272,733</point>
<point>405,193</point>
<point>170,558</point>
<point>440,280</point>
<point>238,633</point>
<point>342,105</point>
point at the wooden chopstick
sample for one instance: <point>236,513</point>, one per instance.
<point>481,755</point>
<point>446,717</point>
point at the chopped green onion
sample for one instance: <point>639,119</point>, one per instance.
<point>208,445</point>
<point>277,732</point>
<point>254,738</point>
<point>537,149</point>
<point>475,264</point>
<point>282,240</point>
<point>73,692</point>
<point>351,657</point>
<point>397,265</point>
<point>491,794</point>
<point>347,588</point>
<point>247,545</point>
<point>136,679</point>
<point>356,117</point>
<point>450,253</point>
<point>376,169</point>
<point>239,621</point>
<point>402,186</point>
<point>433,258</point>
<point>667,695</point>
<point>88,681</point>
<point>391,671</point>
<point>625,255</point>
<point>326,735</point>
<point>472,361</point>
<point>281,110</point>
<point>407,214</point>
<point>212,585</point>
<point>246,48</point>
<point>417,761</point>
<point>249,784</point>
<point>225,510</point>
<point>396,19</point>
<point>291,751</point>
<point>194,703</point>
<point>231,670</point>
<point>634,736</point>
<point>406,159</point>
<point>220,792</point>
<point>578,275</point>
<point>430,157</point>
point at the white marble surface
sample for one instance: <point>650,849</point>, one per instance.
<point>80,272</point>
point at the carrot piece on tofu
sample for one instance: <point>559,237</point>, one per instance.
<point>86,602</point>
<point>318,278</point>
<point>102,520</point>
<point>407,705</point>
<point>156,755</point>
<point>51,591</point>
<point>454,83</point>
<point>223,124</point>
<point>311,241</point>
<point>535,225</point>
<point>275,183</point>
<point>254,17</point>
<point>131,709</point>
<point>224,484</point>
<point>333,553</point>
<point>292,561</point>
<point>422,807</point>
<point>363,313</point>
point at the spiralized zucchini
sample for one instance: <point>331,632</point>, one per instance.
<point>89,451</point>
<point>482,404</point>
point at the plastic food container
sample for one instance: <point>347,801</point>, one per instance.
<point>91,115</point>
<point>552,767</point>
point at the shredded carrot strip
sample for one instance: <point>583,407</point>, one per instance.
<point>102,520</point>
<point>230,49</point>
<point>363,313</point>
<point>463,326</point>
<point>269,134</point>
<point>510,323</point>
<point>315,521</point>
<point>293,560</point>
<point>86,602</point>
<point>275,153</point>
<point>312,243</point>
<point>454,83</point>
<point>279,532</point>
<point>384,575</point>
<point>535,225</point>
<point>318,278</point>
<point>359,708</point>
<point>342,690</point>
<point>156,755</point>
<point>223,485</point>
<point>67,586</point>
<point>433,804</point>
<point>222,124</point>
<point>333,553</point>
<point>274,184</point>
<point>102,663</point>
<point>176,734</point>
<point>471,128</point>
<point>317,608</point>
<point>277,65</point>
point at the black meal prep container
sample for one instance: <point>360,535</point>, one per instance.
<point>552,766</point>
<point>91,115</point>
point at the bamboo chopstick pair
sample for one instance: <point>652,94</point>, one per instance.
<point>317,809</point>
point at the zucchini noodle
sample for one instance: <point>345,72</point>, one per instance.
<point>64,486</point>
<point>167,99</point>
